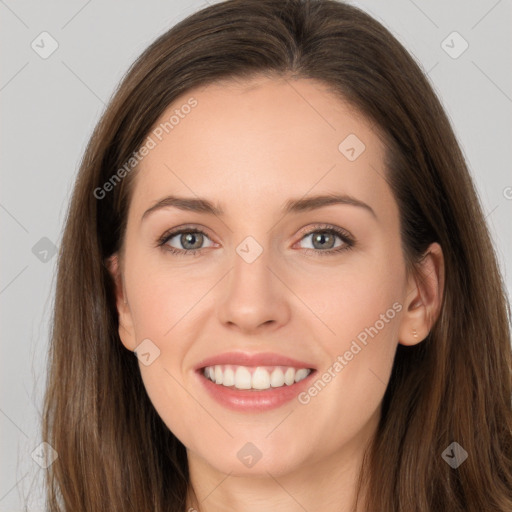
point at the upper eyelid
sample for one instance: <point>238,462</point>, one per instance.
<point>325,227</point>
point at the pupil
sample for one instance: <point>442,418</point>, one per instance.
<point>321,238</point>
<point>189,238</point>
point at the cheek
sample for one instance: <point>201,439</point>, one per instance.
<point>163,303</point>
<point>161,296</point>
<point>349,299</point>
<point>358,313</point>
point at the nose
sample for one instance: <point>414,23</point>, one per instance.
<point>254,296</point>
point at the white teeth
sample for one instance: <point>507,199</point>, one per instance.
<point>289,376</point>
<point>259,378</point>
<point>242,377</point>
<point>301,374</point>
<point>218,375</point>
<point>277,378</point>
<point>229,377</point>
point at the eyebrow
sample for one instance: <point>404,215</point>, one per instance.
<point>201,205</point>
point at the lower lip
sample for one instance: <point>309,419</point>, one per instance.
<point>246,400</point>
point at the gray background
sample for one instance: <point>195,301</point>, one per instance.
<point>50,106</point>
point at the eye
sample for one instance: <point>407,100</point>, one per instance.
<point>184,241</point>
<point>326,239</point>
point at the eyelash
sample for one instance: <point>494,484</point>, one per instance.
<point>348,241</point>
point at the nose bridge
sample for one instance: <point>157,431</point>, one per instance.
<point>251,277</point>
<point>251,264</point>
<point>253,296</point>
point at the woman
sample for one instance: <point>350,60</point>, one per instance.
<point>335,336</point>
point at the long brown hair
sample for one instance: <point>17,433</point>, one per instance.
<point>114,451</point>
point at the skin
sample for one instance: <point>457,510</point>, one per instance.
<point>249,147</point>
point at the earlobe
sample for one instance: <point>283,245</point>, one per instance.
<point>424,299</point>
<point>126,328</point>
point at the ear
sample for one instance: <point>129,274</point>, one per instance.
<point>424,297</point>
<point>126,326</point>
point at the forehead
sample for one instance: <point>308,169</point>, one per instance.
<point>261,142</point>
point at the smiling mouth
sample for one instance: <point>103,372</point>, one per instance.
<point>256,378</point>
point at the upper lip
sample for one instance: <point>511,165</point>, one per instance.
<point>255,359</point>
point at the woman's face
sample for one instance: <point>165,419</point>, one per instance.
<point>277,274</point>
